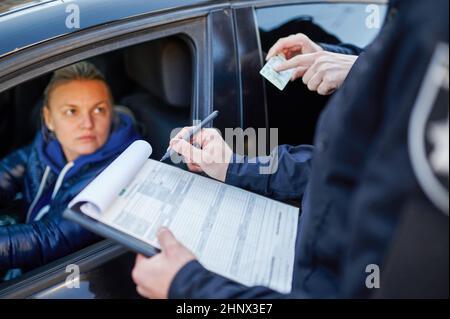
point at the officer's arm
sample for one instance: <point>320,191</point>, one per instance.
<point>283,175</point>
<point>195,281</point>
<point>343,48</point>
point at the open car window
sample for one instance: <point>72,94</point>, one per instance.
<point>296,109</point>
<point>152,79</point>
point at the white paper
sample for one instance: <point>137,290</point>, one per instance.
<point>279,79</point>
<point>235,233</point>
<point>104,189</point>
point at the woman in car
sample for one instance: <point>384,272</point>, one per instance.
<point>81,134</point>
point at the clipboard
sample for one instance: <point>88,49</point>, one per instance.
<point>233,232</point>
<point>101,229</point>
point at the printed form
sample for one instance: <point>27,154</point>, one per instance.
<point>240,235</point>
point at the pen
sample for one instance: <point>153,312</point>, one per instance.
<point>191,133</point>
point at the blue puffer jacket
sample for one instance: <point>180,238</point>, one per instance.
<point>47,183</point>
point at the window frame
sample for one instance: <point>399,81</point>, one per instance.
<point>269,105</point>
<point>40,59</point>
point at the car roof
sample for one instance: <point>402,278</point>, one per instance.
<point>27,22</point>
<point>11,6</point>
<point>8,6</point>
<point>24,23</point>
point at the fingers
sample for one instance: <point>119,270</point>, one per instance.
<point>325,88</point>
<point>194,168</point>
<point>321,75</point>
<point>182,133</point>
<point>166,239</point>
<point>315,81</point>
<point>190,153</point>
<point>138,273</point>
<point>310,73</point>
<point>201,138</point>
<point>298,73</point>
<point>303,61</point>
<point>290,43</point>
<point>145,275</point>
<point>276,48</point>
<point>313,77</point>
<point>321,71</point>
<point>140,258</point>
<point>141,291</point>
<point>205,136</point>
<point>323,63</point>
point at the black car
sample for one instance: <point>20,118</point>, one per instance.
<point>169,62</point>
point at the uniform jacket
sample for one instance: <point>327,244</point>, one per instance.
<point>356,180</point>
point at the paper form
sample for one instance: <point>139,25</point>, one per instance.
<point>235,233</point>
<point>238,234</point>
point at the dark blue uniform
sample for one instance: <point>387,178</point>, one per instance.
<point>359,176</point>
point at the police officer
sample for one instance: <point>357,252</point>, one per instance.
<point>354,186</point>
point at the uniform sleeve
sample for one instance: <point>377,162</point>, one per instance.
<point>196,282</point>
<point>283,175</point>
<point>34,244</point>
<point>344,48</point>
<point>12,172</point>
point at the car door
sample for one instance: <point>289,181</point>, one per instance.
<point>103,269</point>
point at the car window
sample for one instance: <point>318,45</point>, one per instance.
<point>295,110</point>
<point>152,82</point>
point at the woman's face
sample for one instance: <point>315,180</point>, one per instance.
<point>79,113</point>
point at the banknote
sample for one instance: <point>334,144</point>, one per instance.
<point>279,79</point>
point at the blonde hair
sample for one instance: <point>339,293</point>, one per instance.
<point>79,71</point>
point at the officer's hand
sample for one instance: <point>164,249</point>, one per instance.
<point>293,45</point>
<point>323,71</point>
<point>212,154</point>
<point>153,276</point>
